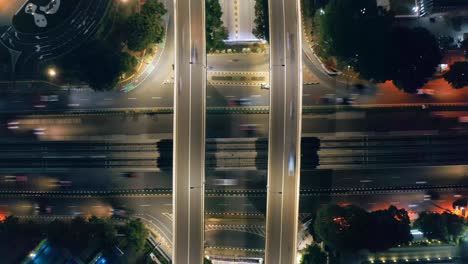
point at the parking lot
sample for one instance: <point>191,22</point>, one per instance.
<point>8,8</point>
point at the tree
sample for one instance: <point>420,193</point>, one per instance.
<point>99,65</point>
<point>135,235</point>
<point>464,46</point>
<point>146,27</point>
<point>357,34</point>
<point>350,228</point>
<point>128,63</point>
<point>314,255</point>
<point>216,32</point>
<point>445,227</point>
<point>309,7</point>
<point>415,54</point>
<point>262,26</point>
<point>457,75</point>
<point>10,226</point>
<point>141,30</point>
<point>103,231</point>
<point>342,228</point>
<point>392,224</point>
<point>56,232</point>
<point>153,7</point>
<point>207,261</point>
<point>361,35</point>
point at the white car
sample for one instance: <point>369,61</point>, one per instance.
<point>426,91</point>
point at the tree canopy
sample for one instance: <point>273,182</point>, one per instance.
<point>146,27</point>
<point>262,26</point>
<point>393,224</point>
<point>415,54</point>
<point>341,228</point>
<point>135,235</point>
<point>97,64</point>
<point>361,34</point>
<point>314,255</point>
<point>350,228</point>
<point>216,32</point>
<point>457,75</point>
<point>445,227</point>
<point>77,234</point>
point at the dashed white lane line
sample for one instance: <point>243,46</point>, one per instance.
<point>73,105</point>
<point>145,205</point>
<point>155,97</point>
<point>131,98</point>
<point>108,99</point>
<point>84,99</point>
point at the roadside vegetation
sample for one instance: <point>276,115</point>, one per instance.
<point>114,50</point>
<point>5,63</point>
<point>79,234</point>
<point>341,231</point>
<point>457,75</point>
<point>262,26</point>
<point>216,32</point>
<point>361,36</point>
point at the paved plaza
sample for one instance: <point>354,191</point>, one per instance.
<point>238,17</point>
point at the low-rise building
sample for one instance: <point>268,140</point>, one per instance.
<point>429,7</point>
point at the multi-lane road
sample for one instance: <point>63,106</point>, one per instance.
<point>189,131</point>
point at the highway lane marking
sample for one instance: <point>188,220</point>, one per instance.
<point>145,205</point>
<point>108,99</point>
<point>155,97</point>
<point>131,98</point>
<point>168,215</point>
<point>84,99</point>
<point>73,105</point>
<point>161,223</point>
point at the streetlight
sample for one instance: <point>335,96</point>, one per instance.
<point>52,72</point>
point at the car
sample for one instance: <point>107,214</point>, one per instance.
<point>49,98</point>
<point>13,125</point>
<point>265,86</point>
<point>425,91</point>
<point>347,101</point>
<point>463,119</point>
<point>245,102</point>
<point>43,209</point>
<point>328,99</point>
<point>130,174</point>
<point>225,182</point>
<point>359,86</point>
<point>64,183</point>
<point>21,178</point>
<point>39,131</point>
<point>119,212</point>
<point>153,258</point>
<point>248,127</point>
<point>233,102</point>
